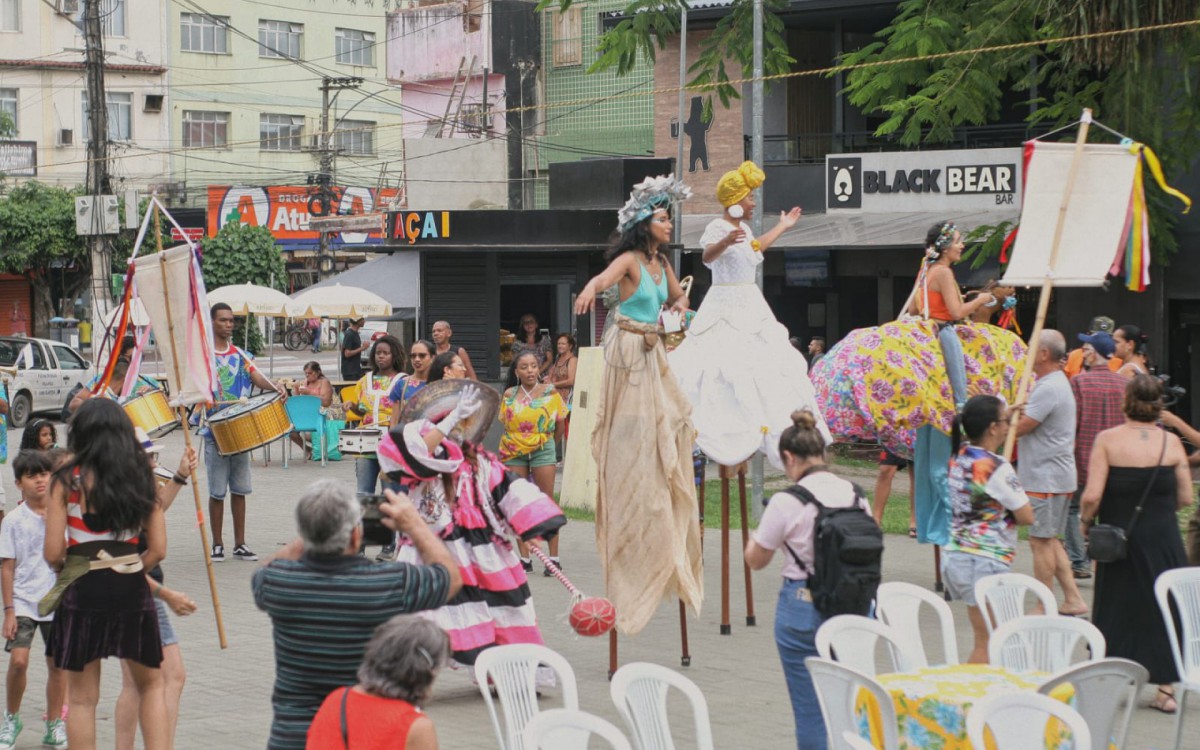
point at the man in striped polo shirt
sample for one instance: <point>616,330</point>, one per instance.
<point>325,600</point>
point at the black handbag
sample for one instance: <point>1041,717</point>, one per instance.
<point>1110,543</point>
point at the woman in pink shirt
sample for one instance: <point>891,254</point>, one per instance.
<point>789,523</point>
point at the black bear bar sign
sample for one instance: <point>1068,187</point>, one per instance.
<point>900,182</point>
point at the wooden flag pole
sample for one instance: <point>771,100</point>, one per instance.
<point>187,434</point>
<point>1039,323</point>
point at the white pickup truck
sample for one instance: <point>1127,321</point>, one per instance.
<point>46,371</point>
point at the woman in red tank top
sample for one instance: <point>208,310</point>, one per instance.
<point>102,500</point>
<point>383,711</point>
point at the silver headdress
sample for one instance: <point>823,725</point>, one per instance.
<point>649,195</point>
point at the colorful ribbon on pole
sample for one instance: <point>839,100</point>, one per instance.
<point>1133,252</point>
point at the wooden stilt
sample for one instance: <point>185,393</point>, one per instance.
<point>685,658</point>
<point>751,621</point>
<point>612,653</point>
<point>937,571</point>
<point>725,627</point>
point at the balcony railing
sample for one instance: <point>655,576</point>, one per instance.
<point>811,148</point>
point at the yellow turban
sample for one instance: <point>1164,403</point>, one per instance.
<point>738,183</point>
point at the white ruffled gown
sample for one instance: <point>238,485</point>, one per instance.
<point>736,366</point>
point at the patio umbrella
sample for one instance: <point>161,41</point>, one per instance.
<point>338,301</point>
<point>252,299</point>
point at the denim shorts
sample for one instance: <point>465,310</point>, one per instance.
<point>166,631</point>
<point>547,455</point>
<point>26,627</point>
<point>960,571</point>
<point>226,474</point>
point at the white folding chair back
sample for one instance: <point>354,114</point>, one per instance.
<point>854,742</point>
<point>512,672</point>
<point>838,688</point>
<point>570,729</point>
<point>1043,643</point>
<point>1001,597</point>
<point>898,604</point>
<point>1182,586</point>
<point>1105,691</point>
<point>1018,721</point>
<point>854,641</point>
<point>639,691</point>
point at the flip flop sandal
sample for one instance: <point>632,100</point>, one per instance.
<point>912,532</point>
<point>1158,705</point>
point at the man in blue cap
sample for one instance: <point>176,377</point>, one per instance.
<point>1099,398</point>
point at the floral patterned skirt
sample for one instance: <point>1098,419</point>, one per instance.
<point>881,384</point>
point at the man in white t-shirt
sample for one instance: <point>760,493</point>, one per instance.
<point>27,577</point>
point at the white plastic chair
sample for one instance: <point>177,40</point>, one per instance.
<point>854,742</point>
<point>1105,690</point>
<point>1018,721</point>
<point>1183,586</point>
<point>837,689</point>
<point>898,604</point>
<point>1001,597</point>
<point>1043,643</point>
<point>512,671</point>
<point>570,729</point>
<point>853,640</point>
<point>639,691</point>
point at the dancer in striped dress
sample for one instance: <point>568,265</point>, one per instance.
<point>476,506</point>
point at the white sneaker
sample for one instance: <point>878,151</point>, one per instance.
<point>9,729</point>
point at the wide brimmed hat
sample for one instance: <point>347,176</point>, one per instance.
<point>434,401</point>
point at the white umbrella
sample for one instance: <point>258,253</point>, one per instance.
<point>338,301</point>
<point>251,299</point>
<point>137,316</point>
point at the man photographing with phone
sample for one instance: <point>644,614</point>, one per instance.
<point>325,600</point>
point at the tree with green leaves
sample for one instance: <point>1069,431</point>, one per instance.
<point>242,254</point>
<point>38,240</point>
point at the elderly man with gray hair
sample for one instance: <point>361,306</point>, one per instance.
<point>325,600</point>
<point>1046,467</point>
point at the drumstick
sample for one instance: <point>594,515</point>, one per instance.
<point>187,435</point>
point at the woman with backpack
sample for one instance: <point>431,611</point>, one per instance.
<point>791,522</point>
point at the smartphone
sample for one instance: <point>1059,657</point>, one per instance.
<point>374,532</point>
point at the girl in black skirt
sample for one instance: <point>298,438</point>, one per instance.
<point>101,501</point>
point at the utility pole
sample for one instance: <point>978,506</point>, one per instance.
<point>321,203</point>
<point>756,155</point>
<point>98,180</point>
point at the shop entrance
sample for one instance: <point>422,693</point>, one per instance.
<point>549,301</point>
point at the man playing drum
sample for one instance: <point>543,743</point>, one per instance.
<point>117,383</point>
<point>236,377</point>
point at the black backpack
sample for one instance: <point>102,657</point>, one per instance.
<point>848,556</point>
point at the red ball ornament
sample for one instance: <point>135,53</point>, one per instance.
<point>593,616</point>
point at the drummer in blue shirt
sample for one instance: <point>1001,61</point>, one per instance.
<point>236,378</point>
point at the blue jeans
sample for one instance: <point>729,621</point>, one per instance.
<point>796,623</point>
<point>956,366</point>
<point>366,472</point>
<point>1073,540</point>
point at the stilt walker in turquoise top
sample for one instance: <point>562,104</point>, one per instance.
<point>647,520</point>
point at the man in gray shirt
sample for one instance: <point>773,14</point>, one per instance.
<point>1046,467</point>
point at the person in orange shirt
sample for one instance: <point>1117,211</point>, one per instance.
<point>1099,324</point>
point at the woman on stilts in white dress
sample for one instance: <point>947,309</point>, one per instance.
<point>736,366</point>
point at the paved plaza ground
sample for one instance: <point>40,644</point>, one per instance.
<point>226,703</point>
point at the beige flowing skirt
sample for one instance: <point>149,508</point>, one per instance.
<point>647,520</point>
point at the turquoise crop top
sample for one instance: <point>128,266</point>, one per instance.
<point>643,305</point>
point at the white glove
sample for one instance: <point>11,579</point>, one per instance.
<point>468,404</point>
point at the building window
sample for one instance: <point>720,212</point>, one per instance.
<point>8,106</point>
<point>280,132</point>
<point>279,39</point>
<point>120,115</point>
<point>354,47</point>
<point>204,33</point>
<point>205,129</point>
<point>112,17</point>
<point>10,15</point>
<point>472,119</point>
<point>567,36</point>
<point>354,137</point>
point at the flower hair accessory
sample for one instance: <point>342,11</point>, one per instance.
<point>648,196</point>
<point>946,236</point>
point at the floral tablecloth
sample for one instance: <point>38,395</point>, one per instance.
<point>932,705</point>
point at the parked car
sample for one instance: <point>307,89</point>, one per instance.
<point>46,372</point>
<point>371,332</point>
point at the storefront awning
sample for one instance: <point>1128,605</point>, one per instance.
<point>395,277</point>
<point>851,230</point>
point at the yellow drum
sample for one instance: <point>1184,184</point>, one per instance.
<point>249,424</point>
<point>152,413</point>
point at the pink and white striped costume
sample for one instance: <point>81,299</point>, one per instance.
<point>489,506</point>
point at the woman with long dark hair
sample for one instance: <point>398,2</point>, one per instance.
<point>420,358</point>
<point>39,435</point>
<point>375,404</point>
<point>1131,348</point>
<point>448,366</point>
<point>102,501</point>
<point>647,526</point>
<point>531,338</point>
